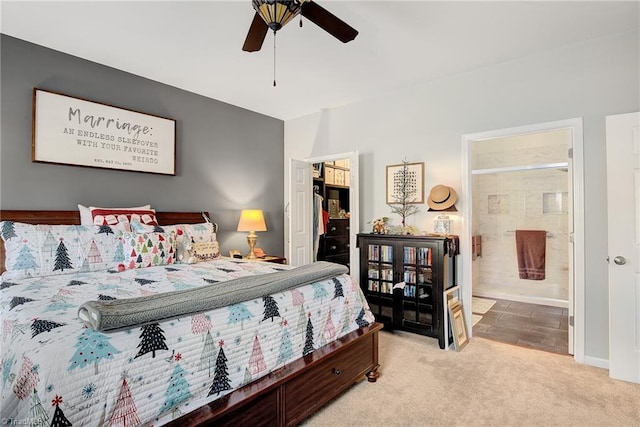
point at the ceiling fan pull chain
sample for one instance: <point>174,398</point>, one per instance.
<point>300,21</point>
<point>274,59</point>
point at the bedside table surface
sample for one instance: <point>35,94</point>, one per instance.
<point>271,258</point>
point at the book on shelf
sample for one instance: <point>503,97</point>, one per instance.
<point>410,291</point>
<point>410,276</point>
<point>409,255</point>
<point>382,253</point>
<point>417,256</point>
<point>374,253</point>
<point>419,276</point>
<point>373,286</point>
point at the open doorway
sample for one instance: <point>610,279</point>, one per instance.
<point>331,211</point>
<point>521,219</point>
<point>312,179</point>
<point>526,182</point>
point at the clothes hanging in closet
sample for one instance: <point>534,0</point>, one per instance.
<point>318,223</point>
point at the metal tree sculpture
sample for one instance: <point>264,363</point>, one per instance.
<point>404,193</point>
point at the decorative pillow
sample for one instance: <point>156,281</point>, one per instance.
<point>87,219</point>
<point>115,217</point>
<point>138,227</point>
<point>45,250</point>
<point>188,235</point>
<point>148,249</point>
<point>205,251</point>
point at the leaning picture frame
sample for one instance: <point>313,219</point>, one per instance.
<point>405,182</point>
<point>458,326</point>
<point>75,131</point>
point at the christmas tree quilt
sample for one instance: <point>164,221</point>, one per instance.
<point>55,371</point>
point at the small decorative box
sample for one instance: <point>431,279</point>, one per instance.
<point>442,225</point>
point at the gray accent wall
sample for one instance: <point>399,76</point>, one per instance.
<point>227,158</point>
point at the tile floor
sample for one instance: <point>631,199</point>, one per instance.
<point>527,325</point>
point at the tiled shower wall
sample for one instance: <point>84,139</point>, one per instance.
<point>527,199</point>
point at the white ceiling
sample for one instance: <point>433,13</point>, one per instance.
<point>196,46</point>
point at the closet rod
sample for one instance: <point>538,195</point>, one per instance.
<point>520,168</point>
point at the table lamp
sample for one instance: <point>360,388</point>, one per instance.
<point>252,220</point>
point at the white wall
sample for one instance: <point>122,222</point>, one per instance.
<point>425,124</point>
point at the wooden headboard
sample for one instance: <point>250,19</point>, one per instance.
<point>73,218</point>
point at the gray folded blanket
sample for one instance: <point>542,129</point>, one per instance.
<point>125,313</point>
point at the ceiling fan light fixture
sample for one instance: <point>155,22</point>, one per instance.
<point>276,13</point>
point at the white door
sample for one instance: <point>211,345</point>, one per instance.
<point>623,193</point>
<point>300,214</point>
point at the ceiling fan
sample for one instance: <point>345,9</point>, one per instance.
<point>274,14</point>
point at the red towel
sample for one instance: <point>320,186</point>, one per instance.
<point>531,247</point>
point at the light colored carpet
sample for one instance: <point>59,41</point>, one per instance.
<point>481,305</point>
<point>486,384</point>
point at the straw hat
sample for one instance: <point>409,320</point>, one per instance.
<point>442,197</point>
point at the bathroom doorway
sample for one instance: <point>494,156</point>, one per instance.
<point>522,182</point>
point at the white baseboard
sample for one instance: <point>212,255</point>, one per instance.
<point>521,298</point>
<point>597,362</point>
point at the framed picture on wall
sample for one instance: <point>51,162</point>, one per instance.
<point>79,132</point>
<point>405,182</point>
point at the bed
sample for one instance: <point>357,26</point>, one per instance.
<point>273,360</point>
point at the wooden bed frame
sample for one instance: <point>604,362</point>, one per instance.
<point>286,396</point>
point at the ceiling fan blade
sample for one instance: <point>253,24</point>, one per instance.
<point>255,36</point>
<point>328,22</point>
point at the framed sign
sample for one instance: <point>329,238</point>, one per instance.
<point>74,131</point>
<point>405,183</point>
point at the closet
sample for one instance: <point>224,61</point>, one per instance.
<point>331,211</point>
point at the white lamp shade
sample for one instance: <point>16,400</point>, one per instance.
<point>252,220</point>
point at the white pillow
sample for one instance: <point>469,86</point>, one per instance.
<point>87,219</point>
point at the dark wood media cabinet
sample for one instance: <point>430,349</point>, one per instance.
<point>424,264</point>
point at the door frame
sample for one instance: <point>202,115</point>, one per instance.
<point>354,202</point>
<point>623,231</point>
<point>577,285</point>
